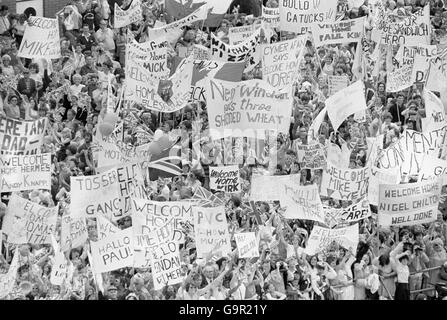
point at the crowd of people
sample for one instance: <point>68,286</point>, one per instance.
<point>398,263</point>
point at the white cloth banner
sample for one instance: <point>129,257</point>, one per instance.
<point>321,238</point>
<point>344,184</point>
<point>30,222</point>
<point>280,61</point>
<point>21,137</point>
<point>143,89</point>
<point>268,188</point>
<point>247,51</point>
<point>339,32</point>
<point>171,32</point>
<point>301,202</point>
<point>408,204</point>
<point>346,102</point>
<point>434,110</point>
<point>299,15</point>
<point>247,109</point>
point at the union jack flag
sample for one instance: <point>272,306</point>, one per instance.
<point>167,164</point>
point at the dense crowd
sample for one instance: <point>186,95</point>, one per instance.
<point>73,92</point>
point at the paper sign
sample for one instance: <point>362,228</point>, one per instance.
<point>311,156</point>
<point>150,215</point>
<point>211,231</point>
<point>27,172</point>
<point>113,252</point>
<point>380,176</point>
<point>237,35</point>
<point>270,16</point>
<point>247,51</point>
<point>344,184</point>
<point>73,232</point>
<point>337,83</point>
<point>105,227</point>
<point>247,245</point>
<point>59,269</point>
<point>41,39</point>
<point>399,79</point>
<point>21,137</point>
<point>434,110</point>
<point>302,202</point>
<point>225,178</point>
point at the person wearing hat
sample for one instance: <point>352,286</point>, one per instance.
<point>5,24</point>
<point>401,260</point>
<point>7,68</point>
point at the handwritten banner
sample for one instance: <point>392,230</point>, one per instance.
<point>399,79</point>
<point>41,39</point>
<point>107,193</point>
<point>321,238</point>
<point>300,15</point>
<point>143,89</point>
<point>344,184</point>
<point>225,178</point>
<point>339,32</point>
<point>433,167</point>
<point>302,202</point>
<point>243,109</point>
<point>125,17</point>
<point>113,252</point>
<point>246,51</point>
<point>408,204</point>
<point>311,156</point>
<point>413,30</point>
<point>337,83</point>
<point>21,137</point>
<point>27,172</point>
<point>166,265</point>
<point>247,245</point>
<point>211,231</point>
<point>237,35</point>
<point>31,222</point>
<point>280,61</point>
<point>73,232</point>
<point>150,215</point>
<point>151,55</point>
<point>270,16</point>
